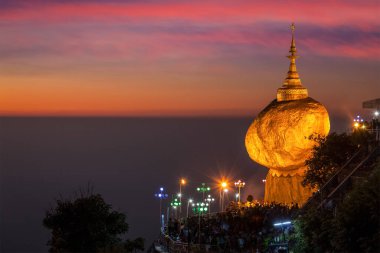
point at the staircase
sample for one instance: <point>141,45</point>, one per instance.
<point>353,171</point>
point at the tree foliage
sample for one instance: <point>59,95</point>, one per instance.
<point>355,226</point>
<point>86,224</point>
<point>330,153</point>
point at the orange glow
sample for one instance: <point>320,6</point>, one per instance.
<point>60,95</point>
<point>183,181</point>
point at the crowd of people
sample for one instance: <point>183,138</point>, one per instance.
<point>240,227</point>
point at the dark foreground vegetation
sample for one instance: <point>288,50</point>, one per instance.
<point>348,221</point>
<point>88,224</point>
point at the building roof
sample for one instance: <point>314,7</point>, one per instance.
<point>372,104</point>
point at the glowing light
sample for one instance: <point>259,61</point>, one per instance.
<point>175,203</point>
<point>183,181</point>
<point>376,113</point>
<point>161,194</point>
<point>224,184</point>
<point>282,223</point>
<point>209,199</point>
<point>203,188</point>
<point>200,207</point>
<point>239,184</point>
<point>190,201</point>
<point>356,124</point>
<point>225,190</point>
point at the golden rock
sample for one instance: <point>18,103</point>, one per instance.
<point>279,137</point>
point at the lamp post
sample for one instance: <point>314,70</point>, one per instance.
<point>209,199</point>
<point>200,208</point>
<point>203,188</point>
<point>182,181</point>
<point>376,125</point>
<point>239,184</point>
<point>188,204</point>
<point>175,204</point>
<point>225,191</point>
<point>223,185</point>
<point>161,195</point>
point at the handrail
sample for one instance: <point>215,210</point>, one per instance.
<point>333,177</point>
<point>348,176</point>
<point>341,168</point>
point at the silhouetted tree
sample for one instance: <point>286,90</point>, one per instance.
<point>330,153</point>
<point>87,224</point>
<point>357,226</point>
<point>250,198</point>
<point>354,227</point>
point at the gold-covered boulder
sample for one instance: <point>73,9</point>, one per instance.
<point>279,137</point>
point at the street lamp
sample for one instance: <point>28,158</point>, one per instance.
<point>203,188</point>
<point>182,181</point>
<point>175,203</point>
<point>200,208</point>
<point>239,184</point>
<point>161,195</point>
<point>188,204</point>
<point>223,185</point>
<point>225,191</point>
<point>209,199</point>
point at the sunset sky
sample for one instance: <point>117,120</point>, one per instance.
<point>165,58</point>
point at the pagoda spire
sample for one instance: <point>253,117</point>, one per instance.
<point>293,78</point>
<point>292,88</point>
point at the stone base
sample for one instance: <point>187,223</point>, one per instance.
<point>286,189</point>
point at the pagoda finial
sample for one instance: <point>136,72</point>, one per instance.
<point>293,77</point>
<point>293,45</point>
<point>292,88</point>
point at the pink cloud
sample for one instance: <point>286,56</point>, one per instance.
<point>320,12</point>
<point>223,20</point>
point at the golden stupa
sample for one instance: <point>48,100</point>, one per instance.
<point>278,137</point>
